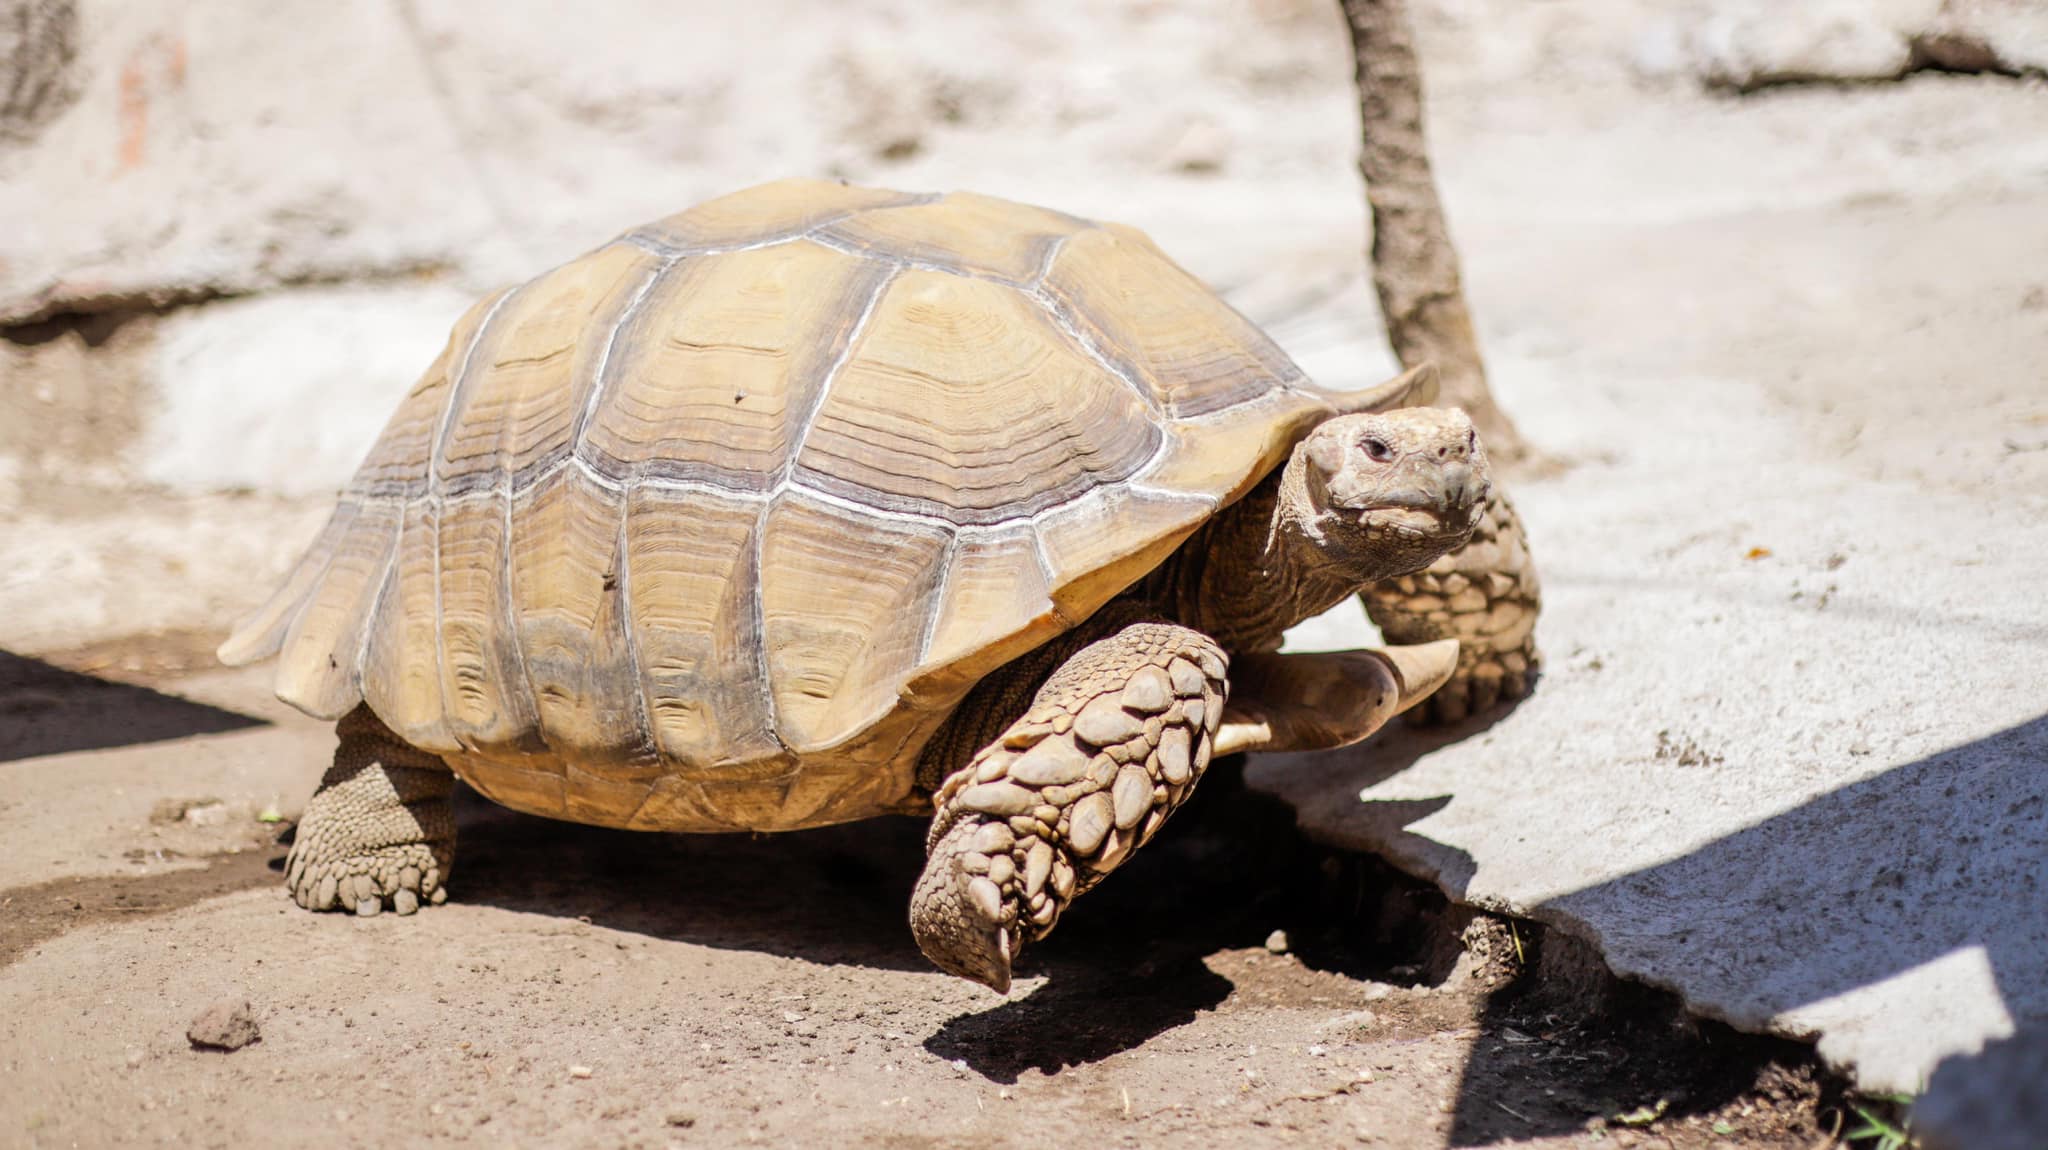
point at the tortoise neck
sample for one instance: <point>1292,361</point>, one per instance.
<point>1252,571</point>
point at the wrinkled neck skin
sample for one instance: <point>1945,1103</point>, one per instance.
<point>1257,569</point>
<point>1276,558</point>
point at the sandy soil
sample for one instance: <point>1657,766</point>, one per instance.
<point>598,988</point>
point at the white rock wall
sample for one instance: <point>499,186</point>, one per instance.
<point>235,145</point>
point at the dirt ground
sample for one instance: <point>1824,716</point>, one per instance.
<point>600,988</point>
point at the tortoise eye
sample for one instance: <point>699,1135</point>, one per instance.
<point>1377,450</point>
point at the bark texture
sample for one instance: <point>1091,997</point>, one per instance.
<point>1414,266</point>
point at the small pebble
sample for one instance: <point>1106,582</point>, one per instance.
<point>228,1024</point>
<point>579,1072</point>
<point>1277,942</point>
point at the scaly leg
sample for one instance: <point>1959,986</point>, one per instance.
<point>1485,595</point>
<point>380,829</point>
<point>1113,742</point>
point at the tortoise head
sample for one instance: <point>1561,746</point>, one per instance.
<point>1382,494</point>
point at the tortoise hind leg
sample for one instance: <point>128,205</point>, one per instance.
<point>380,830</point>
<point>1485,595</point>
<point>1113,742</point>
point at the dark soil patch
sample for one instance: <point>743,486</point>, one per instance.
<point>31,915</point>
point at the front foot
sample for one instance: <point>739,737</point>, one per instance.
<point>1112,745</point>
<point>1486,596</point>
<point>378,834</point>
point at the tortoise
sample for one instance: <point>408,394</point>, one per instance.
<point>819,502</point>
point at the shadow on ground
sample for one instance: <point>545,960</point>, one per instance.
<point>46,710</point>
<point>1125,965</point>
<point>1137,958</point>
<point>1924,862</point>
<point>1991,1100</point>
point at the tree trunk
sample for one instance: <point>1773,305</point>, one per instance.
<point>1414,267</point>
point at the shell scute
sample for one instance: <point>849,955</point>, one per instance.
<point>714,376</point>
<point>844,602</point>
<point>963,402</point>
<point>1167,329</point>
<point>962,233</point>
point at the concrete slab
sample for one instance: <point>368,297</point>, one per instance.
<point>1790,756</point>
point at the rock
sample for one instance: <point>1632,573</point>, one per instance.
<point>1202,148</point>
<point>348,355</point>
<point>209,815</point>
<point>1063,877</point>
<point>227,1024</point>
<point>1276,942</point>
<point>165,812</point>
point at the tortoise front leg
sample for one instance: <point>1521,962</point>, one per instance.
<point>1113,742</point>
<point>1319,700</point>
<point>1485,595</point>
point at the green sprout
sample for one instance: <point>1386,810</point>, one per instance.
<point>1882,1133</point>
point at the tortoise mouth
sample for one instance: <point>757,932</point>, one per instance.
<point>1417,522</point>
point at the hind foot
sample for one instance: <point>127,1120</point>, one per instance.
<point>380,831</point>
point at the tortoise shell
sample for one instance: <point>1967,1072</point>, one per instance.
<point>712,527</point>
